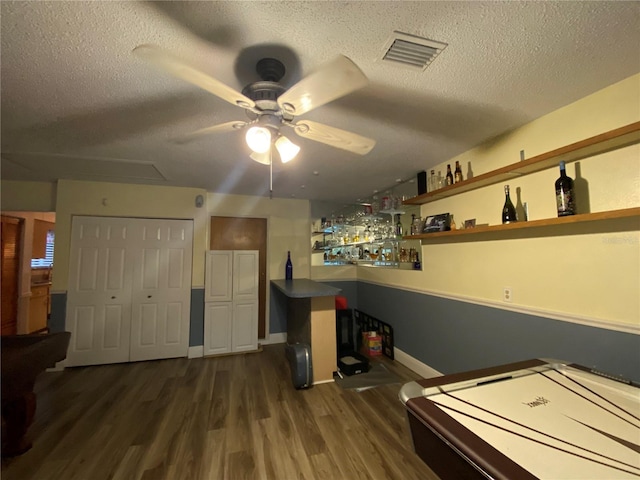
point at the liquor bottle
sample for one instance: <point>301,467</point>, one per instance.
<point>458,172</point>
<point>416,264</point>
<point>449,177</point>
<point>508,211</point>
<point>433,181</point>
<point>288,269</point>
<point>565,199</point>
<point>398,227</point>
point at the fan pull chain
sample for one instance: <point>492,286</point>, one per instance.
<point>270,174</point>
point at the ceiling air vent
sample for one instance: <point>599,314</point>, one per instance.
<point>411,51</point>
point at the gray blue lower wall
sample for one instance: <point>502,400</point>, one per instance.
<point>452,336</point>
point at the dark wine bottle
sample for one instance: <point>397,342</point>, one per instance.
<point>449,177</point>
<point>565,199</point>
<point>508,211</point>
<point>288,269</point>
<point>458,173</point>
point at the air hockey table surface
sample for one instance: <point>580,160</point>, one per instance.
<point>535,419</point>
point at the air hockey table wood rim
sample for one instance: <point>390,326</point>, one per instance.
<point>473,456</point>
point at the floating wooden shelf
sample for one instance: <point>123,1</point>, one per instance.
<point>611,140</point>
<point>547,222</point>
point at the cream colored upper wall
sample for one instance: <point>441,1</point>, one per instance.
<point>28,196</point>
<point>593,274</point>
<point>125,200</point>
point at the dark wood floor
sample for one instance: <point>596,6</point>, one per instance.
<point>213,418</point>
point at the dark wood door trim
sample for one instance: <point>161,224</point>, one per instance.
<point>244,233</point>
<point>10,239</point>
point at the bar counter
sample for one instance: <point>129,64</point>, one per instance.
<point>311,319</point>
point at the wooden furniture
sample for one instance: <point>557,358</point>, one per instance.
<point>39,307</point>
<point>611,140</point>
<point>24,357</point>
<point>311,318</point>
<point>527,420</point>
<point>231,301</point>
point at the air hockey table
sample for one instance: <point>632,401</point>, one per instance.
<point>537,419</point>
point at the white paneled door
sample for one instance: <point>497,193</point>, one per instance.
<point>129,289</point>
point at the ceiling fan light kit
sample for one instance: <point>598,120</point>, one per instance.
<point>269,105</point>
<point>286,148</point>
<point>258,139</point>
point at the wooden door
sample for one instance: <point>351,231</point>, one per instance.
<point>10,234</point>
<point>232,233</point>
<point>161,301</point>
<point>99,294</point>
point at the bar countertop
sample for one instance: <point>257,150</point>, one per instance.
<point>304,288</point>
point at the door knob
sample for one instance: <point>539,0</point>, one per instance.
<point>113,298</point>
<point>148,296</point>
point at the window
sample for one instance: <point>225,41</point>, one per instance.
<point>47,261</point>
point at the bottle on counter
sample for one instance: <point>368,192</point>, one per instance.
<point>458,173</point>
<point>565,199</point>
<point>449,177</point>
<point>508,210</point>
<point>288,268</point>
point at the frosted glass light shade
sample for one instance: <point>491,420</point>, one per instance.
<point>287,149</point>
<point>258,139</point>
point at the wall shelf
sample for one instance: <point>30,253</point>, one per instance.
<point>605,142</point>
<point>547,222</point>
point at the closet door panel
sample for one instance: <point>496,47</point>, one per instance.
<point>162,289</point>
<point>99,295</point>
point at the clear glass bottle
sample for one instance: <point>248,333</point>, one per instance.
<point>398,227</point>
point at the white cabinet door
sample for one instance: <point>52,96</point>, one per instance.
<point>129,293</point>
<point>217,320</point>
<point>245,326</point>
<point>99,293</point>
<point>245,275</point>
<point>162,289</point>
<point>232,325</point>
<point>218,276</point>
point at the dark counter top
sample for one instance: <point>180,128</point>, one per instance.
<point>304,288</point>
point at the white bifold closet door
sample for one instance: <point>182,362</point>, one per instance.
<point>231,301</point>
<point>129,295</point>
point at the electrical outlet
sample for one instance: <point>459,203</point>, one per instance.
<point>507,294</point>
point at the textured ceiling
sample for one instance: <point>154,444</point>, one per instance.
<point>77,104</point>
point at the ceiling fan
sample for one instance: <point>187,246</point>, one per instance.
<point>270,106</point>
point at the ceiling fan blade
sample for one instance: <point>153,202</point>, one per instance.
<point>180,69</point>
<point>335,137</point>
<point>222,127</point>
<point>332,80</point>
<point>264,158</point>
